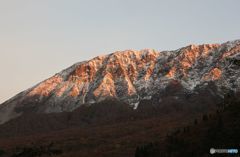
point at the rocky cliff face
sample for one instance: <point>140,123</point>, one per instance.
<point>131,76</point>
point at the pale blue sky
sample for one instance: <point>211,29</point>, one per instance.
<point>41,37</point>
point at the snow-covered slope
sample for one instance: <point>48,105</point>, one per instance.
<point>130,76</point>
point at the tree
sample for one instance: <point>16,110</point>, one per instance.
<point>205,118</point>
<point>220,122</point>
<point>147,150</point>
<point>2,152</point>
<point>195,121</point>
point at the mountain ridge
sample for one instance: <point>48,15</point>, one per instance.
<point>130,76</point>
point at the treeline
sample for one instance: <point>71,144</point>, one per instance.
<point>32,151</point>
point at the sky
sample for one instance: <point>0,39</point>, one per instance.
<point>39,38</point>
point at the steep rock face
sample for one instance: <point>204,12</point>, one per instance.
<point>131,76</point>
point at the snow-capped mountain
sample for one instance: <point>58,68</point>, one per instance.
<point>131,77</point>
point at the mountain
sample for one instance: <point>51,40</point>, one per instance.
<point>142,103</point>
<point>199,74</point>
